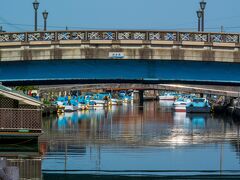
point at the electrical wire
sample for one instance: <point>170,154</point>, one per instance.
<point>22,27</point>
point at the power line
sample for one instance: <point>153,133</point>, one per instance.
<point>20,27</point>
<point>7,23</point>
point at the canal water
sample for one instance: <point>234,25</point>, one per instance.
<point>131,140</point>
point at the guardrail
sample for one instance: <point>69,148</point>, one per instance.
<point>20,119</point>
<point>120,35</point>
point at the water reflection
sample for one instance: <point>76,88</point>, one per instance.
<point>150,140</point>
<point>25,156</point>
<point>198,121</point>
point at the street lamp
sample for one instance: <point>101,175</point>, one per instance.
<point>1,29</point>
<point>203,6</point>
<point>199,15</point>
<point>35,6</point>
<point>45,16</point>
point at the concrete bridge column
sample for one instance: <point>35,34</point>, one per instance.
<point>232,103</point>
<point>141,99</point>
<point>135,96</point>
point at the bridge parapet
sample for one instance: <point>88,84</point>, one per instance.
<point>120,35</point>
<point>107,44</point>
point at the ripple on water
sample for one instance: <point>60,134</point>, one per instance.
<point>149,141</point>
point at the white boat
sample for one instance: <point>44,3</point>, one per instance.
<point>167,96</point>
<point>70,108</point>
<point>166,103</point>
<point>180,104</point>
<point>99,103</point>
<point>114,102</point>
<point>82,106</point>
<point>127,100</point>
<point>60,103</point>
<point>60,107</point>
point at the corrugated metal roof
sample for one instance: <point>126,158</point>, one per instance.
<point>10,93</point>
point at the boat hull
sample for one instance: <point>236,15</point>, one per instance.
<point>70,108</point>
<point>167,98</point>
<point>180,108</point>
<point>198,109</point>
<point>82,107</point>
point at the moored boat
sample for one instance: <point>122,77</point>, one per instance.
<point>115,102</point>
<point>180,104</point>
<point>100,103</point>
<point>82,106</point>
<point>70,108</point>
<point>167,96</point>
<point>199,105</point>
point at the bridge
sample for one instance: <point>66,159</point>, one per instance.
<point>110,56</point>
<point>126,44</point>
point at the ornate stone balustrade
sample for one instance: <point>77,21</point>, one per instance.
<point>120,35</point>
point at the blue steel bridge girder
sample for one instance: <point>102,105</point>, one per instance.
<point>118,71</point>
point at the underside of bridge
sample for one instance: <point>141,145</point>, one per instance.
<point>118,71</point>
<point>230,91</point>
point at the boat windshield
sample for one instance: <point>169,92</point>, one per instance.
<point>198,100</point>
<point>180,100</point>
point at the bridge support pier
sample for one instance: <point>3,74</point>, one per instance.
<point>232,102</point>
<point>141,98</point>
<point>156,92</point>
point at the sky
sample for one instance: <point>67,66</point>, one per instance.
<point>18,15</point>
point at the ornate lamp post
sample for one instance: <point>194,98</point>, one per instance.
<point>45,16</point>
<point>199,15</point>
<point>35,6</point>
<point>203,6</point>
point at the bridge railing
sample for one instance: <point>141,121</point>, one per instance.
<point>54,36</point>
<point>20,119</point>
